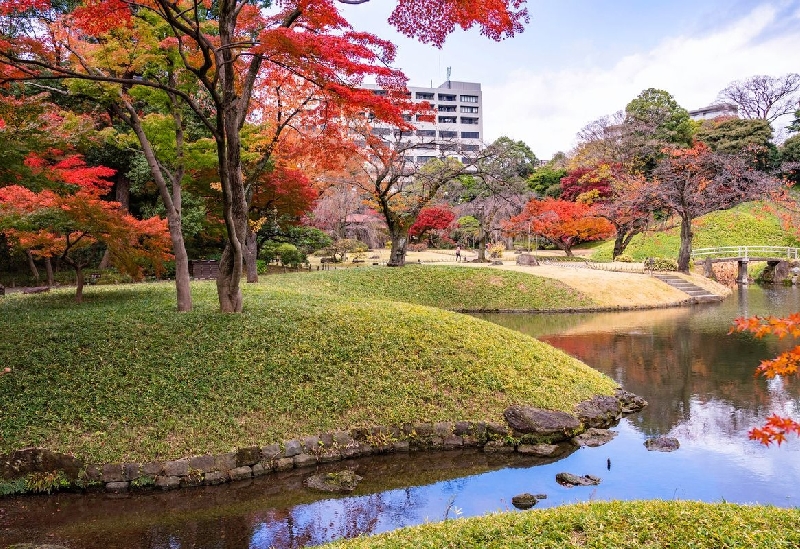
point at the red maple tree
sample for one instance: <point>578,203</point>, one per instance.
<point>561,222</point>
<point>432,218</point>
<point>691,182</point>
<point>68,217</point>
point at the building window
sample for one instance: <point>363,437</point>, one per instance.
<point>448,146</point>
<point>407,117</point>
<point>447,108</point>
<point>379,92</point>
<point>468,120</point>
<point>473,110</point>
<point>426,133</point>
<point>446,97</point>
<point>447,119</point>
<point>423,159</point>
<point>424,95</point>
<point>470,135</point>
<point>468,98</point>
<point>470,148</point>
<point>447,134</point>
<point>381,131</point>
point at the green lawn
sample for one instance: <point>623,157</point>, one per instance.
<point>605,525</point>
<point>461,288</point>
<point>125,378</point>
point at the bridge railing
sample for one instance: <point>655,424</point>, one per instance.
<point>746,252</point>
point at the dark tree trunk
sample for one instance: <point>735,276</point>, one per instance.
<point>397,257</point>
<point>48,267</point>
<point>250,256</point>
<point>481,242</point>
<point>32,265</point>
<point>79,282</point>
<point>685,254</point>
<point>122,194</point>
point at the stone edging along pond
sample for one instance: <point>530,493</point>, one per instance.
<point>528,430</point>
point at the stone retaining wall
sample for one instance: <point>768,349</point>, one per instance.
<point>45,471</point>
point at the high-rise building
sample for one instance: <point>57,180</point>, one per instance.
<point>458,126</point>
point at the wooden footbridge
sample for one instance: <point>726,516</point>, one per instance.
<point>743,255</point>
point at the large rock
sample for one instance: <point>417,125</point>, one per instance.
<point>662,444</point>
<point>547,424</point>
<point>570,480</point>
<point>539,450</point>
<point>527,259</point>
<point>526,500</point>
<point>38,460</point>
<point>336,481</point>
<point>630,403</point>
<point>600,411</point>
<point>595,437</point>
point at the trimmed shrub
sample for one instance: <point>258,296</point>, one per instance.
<point>661,264</point>
<point>289,255</point>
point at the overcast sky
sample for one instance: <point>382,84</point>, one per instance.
<point>581,59</point>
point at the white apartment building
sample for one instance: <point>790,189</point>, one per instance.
<point>714,111</point>
<point>458,127</point>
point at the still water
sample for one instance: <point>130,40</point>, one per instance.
<point>698,380</point>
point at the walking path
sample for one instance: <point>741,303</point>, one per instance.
<point>607,288</point>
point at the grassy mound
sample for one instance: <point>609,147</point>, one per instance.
<point>606,525</point>
<point>123,378</point>
<point>462,288</point>
<point>750,224</point>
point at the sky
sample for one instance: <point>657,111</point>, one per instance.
<point>579,60</point>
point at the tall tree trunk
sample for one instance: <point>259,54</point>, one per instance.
<point>397,257</point>
<point>122,194</point>
<point>231,101</point>
<point>250,256</point>
<point>685,254</point>
<point>171,198</point>
<point>79,280</point>
<point>234,209</point>
<point>481,242</point>
<point>48,267</point>
<point>32,265</point>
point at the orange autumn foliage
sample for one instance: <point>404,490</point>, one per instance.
<point>776,427</point>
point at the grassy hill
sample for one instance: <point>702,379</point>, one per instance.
<point>753,223</point>
<point>124,378</point>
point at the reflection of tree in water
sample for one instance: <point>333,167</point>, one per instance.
<point>675,367</point>
<point>332,519</point>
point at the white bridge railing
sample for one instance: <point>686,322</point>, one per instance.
<point>747,252</point>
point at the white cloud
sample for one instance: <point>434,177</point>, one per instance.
<point>547,109</point>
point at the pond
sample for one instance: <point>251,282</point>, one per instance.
<point>698,380</point>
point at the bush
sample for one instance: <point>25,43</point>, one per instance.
<point>624,258</point>
<point>290,255</point>
<point>418,247</point>
<point>661,264</point>
<point>496,249</point>
<point>269,251</point>
<point>339,249</point>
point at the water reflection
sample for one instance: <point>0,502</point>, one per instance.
<point>699,382</point>
<point>679,359</point>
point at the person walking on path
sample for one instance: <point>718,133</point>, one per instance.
<point>458,254</point>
